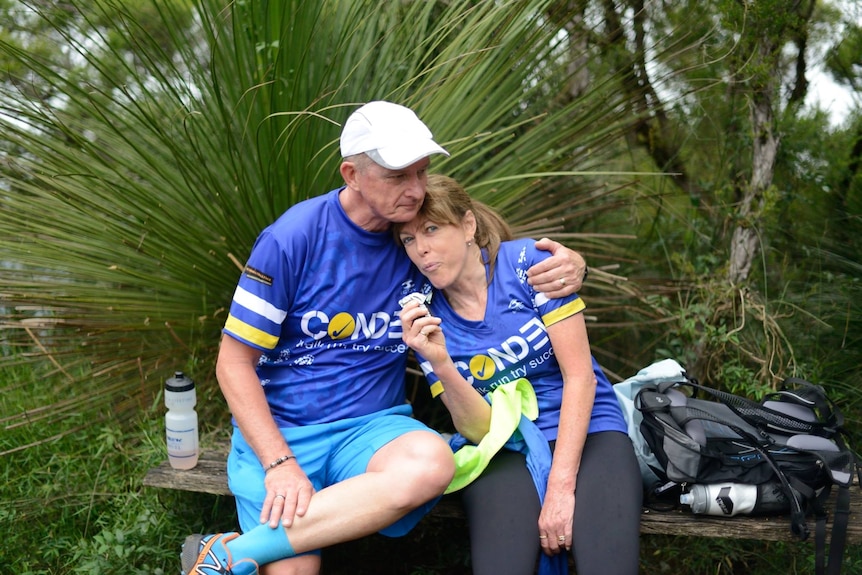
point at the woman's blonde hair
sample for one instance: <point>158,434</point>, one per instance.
<point>446,202</point>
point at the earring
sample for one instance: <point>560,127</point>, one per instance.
<point>470,243</point>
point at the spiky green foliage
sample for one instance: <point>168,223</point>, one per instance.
<point>138,173</point>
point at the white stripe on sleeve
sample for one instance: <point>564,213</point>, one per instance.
<point>258,305</point>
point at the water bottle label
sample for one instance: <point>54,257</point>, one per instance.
<point>180,400</point>
<point>724,500</point>
<point>182,441</point>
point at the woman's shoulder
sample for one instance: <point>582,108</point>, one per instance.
<point>518,244</point>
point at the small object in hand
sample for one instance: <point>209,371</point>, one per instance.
<point>419,298</point>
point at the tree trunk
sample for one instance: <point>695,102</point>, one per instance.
<point>745,243</point>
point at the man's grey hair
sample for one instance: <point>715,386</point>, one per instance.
<point>361,161</point>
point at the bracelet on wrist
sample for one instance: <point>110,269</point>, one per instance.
<point>279,461</point>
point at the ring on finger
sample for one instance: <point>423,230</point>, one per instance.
<point>562,281</point>
<point>277,495</point>
<point>561,538</point>
<point>543,536</point>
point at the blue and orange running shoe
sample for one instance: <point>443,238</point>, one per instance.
<point>206,554</point>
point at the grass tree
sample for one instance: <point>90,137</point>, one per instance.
<point>141,160</point>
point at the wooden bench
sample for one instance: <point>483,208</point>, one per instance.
<point>210,476</point>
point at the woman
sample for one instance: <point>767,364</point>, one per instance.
<point>487,327</point>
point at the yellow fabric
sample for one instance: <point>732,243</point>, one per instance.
<point>436,388</point>
<point>508,403</point>
<point>564,311</point>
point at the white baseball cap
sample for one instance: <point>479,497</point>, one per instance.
<point>392,135</point>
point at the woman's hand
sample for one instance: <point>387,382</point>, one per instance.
<point>421,331</point>
<point>556,520</point>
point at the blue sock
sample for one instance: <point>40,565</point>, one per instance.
<point>263,545</point>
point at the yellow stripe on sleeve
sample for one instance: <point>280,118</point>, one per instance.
<point>436,388</point>
<point>564,311</point>
<point>251,334</point>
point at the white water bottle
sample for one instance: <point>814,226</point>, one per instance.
<point>181,421</point>
<point>729,499</point>
<point>725,499</point>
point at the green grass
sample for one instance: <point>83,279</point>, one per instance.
<point>73,500</point>
<point>73,503</point>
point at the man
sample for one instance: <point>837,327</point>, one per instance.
<point>312,364</point>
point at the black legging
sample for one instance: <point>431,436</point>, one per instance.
<point>503,512</point>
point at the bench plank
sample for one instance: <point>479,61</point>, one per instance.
<point>210,476</point>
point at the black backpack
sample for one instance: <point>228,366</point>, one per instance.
<point>792,440</point>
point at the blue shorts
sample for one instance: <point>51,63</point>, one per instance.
<point>328,453</point>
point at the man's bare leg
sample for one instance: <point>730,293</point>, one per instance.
<point>403,475</point>
<point>304,565</point>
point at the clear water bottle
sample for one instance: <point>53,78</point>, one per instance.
<point>729,499</point>
<point>181,421</point>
